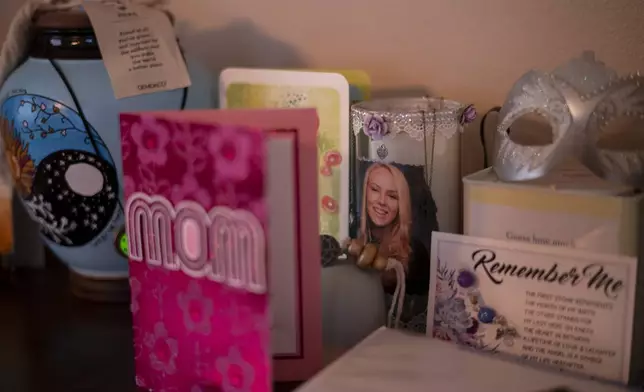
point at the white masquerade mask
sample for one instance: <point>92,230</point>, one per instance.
<point>578,99</point>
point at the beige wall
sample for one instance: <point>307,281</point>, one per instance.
<point>7,9</point>
<point>468,50</point>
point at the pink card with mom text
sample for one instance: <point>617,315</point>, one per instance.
<point>222,235</point>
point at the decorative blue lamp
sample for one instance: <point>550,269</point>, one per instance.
<point>60,131</point>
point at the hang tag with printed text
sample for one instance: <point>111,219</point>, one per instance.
<point>139,48</point>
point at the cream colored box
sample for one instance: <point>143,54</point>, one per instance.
<point>570,208</point>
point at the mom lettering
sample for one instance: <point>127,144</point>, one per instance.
<point>223,245</point>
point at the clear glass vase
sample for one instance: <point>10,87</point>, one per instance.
<point>406,184</point>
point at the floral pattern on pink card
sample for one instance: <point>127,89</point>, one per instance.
<point>196,329</point>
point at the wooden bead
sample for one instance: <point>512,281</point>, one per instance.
<point>355,248</point>
<point>380,263</point>
<point>368,255</point>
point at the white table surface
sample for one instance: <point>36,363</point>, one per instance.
<point>392,361</point>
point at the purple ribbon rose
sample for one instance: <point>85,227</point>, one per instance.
<point>468,115</point>
<point>375,126</point>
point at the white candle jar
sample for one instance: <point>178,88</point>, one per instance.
<point>406,183</point>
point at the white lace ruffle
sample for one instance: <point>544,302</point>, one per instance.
<point>417,117</point>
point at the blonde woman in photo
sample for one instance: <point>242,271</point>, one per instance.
<point>386,217</point>
<point>386,211</point>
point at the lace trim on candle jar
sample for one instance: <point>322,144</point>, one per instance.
<point>413,116</point>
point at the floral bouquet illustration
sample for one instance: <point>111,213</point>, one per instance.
<point>462,316</point>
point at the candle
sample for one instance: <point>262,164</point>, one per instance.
<point>406,182</point>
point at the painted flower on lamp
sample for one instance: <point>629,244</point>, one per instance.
<point>19,162</point>
<point>467,115</point>
<point>375,126</point>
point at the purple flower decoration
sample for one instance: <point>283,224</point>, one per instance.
<point>375,126</point>
<point>468,115</point>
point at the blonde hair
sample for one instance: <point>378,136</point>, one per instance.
<point>399,237</point>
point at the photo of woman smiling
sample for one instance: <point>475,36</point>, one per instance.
<point>387,203</point>
<point>398,212</point>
